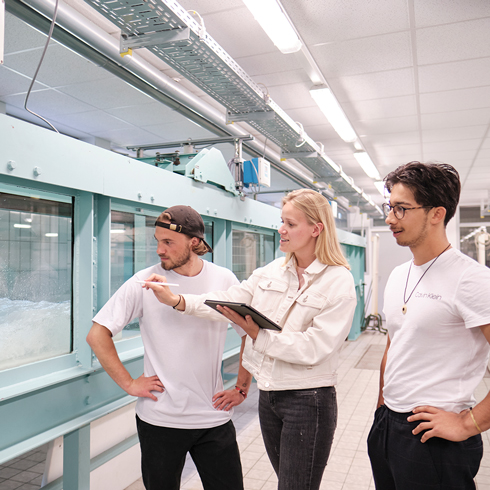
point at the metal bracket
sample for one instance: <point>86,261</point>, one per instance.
<point>189,141</point>
<point>159,38</point>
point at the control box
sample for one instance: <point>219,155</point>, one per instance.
<point>257,171</point>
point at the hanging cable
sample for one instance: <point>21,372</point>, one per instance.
<point>53,22</point>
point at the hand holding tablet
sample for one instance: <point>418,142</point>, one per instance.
<point>243,309</point>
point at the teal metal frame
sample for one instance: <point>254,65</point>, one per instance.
<point>63,395</point>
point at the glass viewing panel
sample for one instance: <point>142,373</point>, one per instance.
<point>122,248</point>
<point>251,249</point>
<point>123,260</point>
<point>35,279</point>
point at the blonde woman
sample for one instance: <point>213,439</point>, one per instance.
<point>311,295</point>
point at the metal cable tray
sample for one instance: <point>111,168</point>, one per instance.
<point>166,29</point>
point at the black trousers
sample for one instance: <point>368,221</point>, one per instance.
<point>214,452</point>
<point>298,428</point>
<point>401,462</point>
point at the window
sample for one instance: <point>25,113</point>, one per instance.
<point>35,279</point>
<point>122,248</point>
<point>251,249</point>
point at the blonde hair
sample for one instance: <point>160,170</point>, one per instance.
<point>317,210</point>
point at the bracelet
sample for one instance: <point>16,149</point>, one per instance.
<point>241,392</point>
<point>474,421</point>
<point>180,299</point>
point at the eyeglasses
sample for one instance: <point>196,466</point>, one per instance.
<point>398,211</point>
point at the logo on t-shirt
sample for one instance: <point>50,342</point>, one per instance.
<point>428,296</point>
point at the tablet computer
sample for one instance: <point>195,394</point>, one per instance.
<point>243,309</point>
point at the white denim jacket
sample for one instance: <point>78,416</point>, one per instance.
<point>315,321</point>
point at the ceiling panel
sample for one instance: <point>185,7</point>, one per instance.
<point>388,125</point>
<point>94,121</point>
<point>451,145</point>
<point>30,38</point>
<point>456,119</point>
<point>106,94</point>
<point>281,94</point>
<point>146,114</point>
<point>396,139</point>
<point>366,55</point>
<point>455,100</point>
<point>392,83</point>
<point>321,21</point>
<point>465,133</point>
<point>437,12</point>
<point>49,103</point>
<point>456,75</point>
<point>60,66</point>
<point>265,64</point>
<point>453,42</point>
<point>382,108</point>
<point>12,83</point>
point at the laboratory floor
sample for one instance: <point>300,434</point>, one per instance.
<point>348,467</point>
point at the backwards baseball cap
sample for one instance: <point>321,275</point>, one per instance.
<point>184,219</point>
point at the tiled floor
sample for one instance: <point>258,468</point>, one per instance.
<point>24,473</point>
<point>348,467</point>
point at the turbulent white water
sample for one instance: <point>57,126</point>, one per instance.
<point>32,331</point>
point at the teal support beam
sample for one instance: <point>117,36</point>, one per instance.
<point>140,243</point>
<point>83,275</point>
<point>219,243</point>
<point>103,251</point>
<point>355,256</point>
<point>229,244</point>
<point>76,459</point>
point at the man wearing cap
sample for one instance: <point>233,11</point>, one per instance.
<point>181,404</point>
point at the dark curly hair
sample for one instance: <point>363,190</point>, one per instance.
<point>432,184</point>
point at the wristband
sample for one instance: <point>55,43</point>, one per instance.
<point>474,421</point>
<point>241,392</point>
<point>180,299</point>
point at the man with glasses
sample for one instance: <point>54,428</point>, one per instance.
<point>181,405</point>
<point>426,430</point>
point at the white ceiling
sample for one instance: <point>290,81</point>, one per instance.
<point>413,77</point>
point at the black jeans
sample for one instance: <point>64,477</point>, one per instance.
<point>401,462</point>
<point>298,428</point>
<point>214,452</point>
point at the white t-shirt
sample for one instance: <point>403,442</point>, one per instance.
<point>184,352</point>
<point>437,354</point>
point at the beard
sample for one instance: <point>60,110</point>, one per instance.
<point>179,261</point>
<point>414,242</point>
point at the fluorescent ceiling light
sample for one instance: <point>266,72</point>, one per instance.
<point>380,185</point>
<point>328,104</point>
<point>117,231</point>
<point>276,25</point>
<point>367,165</point>
<point>16,225</point>
<point>51,234</point>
